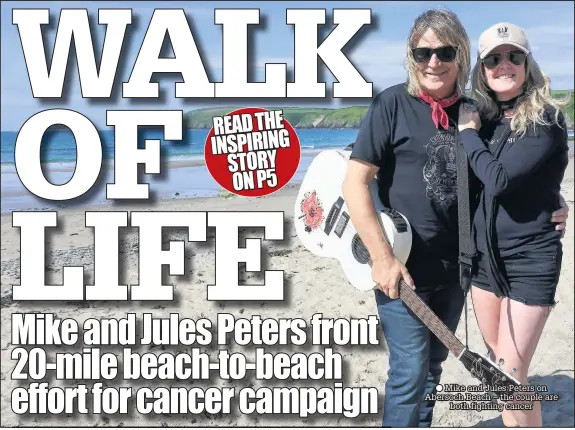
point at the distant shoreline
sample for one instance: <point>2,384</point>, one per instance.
<point>181,180</point>
<point>178,162</point>
<point>186,160</point>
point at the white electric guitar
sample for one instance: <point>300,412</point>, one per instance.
<point>324,227</point>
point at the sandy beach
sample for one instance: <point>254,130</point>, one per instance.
<point>312,284</point>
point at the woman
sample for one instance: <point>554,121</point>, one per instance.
<point>519,153</point>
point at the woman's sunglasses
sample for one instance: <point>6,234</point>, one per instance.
<point>491,61</point>
<point>445,54</point>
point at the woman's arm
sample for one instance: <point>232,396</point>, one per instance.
<point>500,176</point>
<point>560,216</point>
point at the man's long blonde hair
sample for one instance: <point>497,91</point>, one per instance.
<point>448,30</point>
<point>530,107</point>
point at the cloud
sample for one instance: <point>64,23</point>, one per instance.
<point>557,67</point>
<point>552,47</point>
<point>260,63</point>
<point>191,11</point>
<point>378,60</point>
<point>547,31</point>
<point>393,4</point>
<point>550,37</point>
<point>381,60</point>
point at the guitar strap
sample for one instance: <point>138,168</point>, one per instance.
<point>467,251</point>
<point>494,274</point>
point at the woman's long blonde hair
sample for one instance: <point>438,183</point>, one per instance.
<point>449,30</point>
<point>530,107</point>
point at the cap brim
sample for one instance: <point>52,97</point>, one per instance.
<point>491,48</point>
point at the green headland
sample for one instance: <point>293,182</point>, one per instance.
<point>305,117</point>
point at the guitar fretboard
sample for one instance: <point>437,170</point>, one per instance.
<point>420,308</point>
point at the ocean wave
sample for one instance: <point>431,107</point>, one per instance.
<point>9,166</point>
<point>188,156</point>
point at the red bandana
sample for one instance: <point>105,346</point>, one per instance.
<point>438,114</point>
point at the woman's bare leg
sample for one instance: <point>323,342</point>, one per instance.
<point>520,328</point>
<point>487,307</point>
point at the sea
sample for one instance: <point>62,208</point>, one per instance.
<point>192,179</point>
<point>58,155</point>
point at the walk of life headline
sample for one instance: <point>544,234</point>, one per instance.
<point>34,332</point>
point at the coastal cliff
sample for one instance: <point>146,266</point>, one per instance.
<point>304,117</point>
<point>298,117</point>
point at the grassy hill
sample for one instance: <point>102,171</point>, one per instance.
<point>303,117</point>
<point>298,117</point>
<point>569,108</point>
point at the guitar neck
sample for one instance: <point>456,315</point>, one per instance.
<point>418,306</point>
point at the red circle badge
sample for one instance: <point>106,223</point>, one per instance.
<point>252,152</point>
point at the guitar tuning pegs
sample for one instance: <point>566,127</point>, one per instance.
<point>501,362</point>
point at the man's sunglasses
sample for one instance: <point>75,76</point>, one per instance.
<point>445,54</point>
<point>491,61</point>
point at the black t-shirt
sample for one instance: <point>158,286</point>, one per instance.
<point>417,177</point>
<point>525,178</point>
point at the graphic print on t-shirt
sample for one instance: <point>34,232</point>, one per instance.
<point>440,171</point>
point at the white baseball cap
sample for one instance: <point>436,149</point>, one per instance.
<point>503,33</point>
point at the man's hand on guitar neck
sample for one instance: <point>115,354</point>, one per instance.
<point>387,272</point>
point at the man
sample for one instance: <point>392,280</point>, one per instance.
<point>408,137</point>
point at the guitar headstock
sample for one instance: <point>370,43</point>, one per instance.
<point>489,373</point>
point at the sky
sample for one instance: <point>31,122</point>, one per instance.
<point>378,54</point>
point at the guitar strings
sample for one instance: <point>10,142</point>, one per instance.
<point>441,325</point>
<point>465,360</point>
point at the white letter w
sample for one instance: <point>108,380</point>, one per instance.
<point>73,22</point>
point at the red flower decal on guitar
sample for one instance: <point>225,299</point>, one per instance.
<point>312,211</point>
